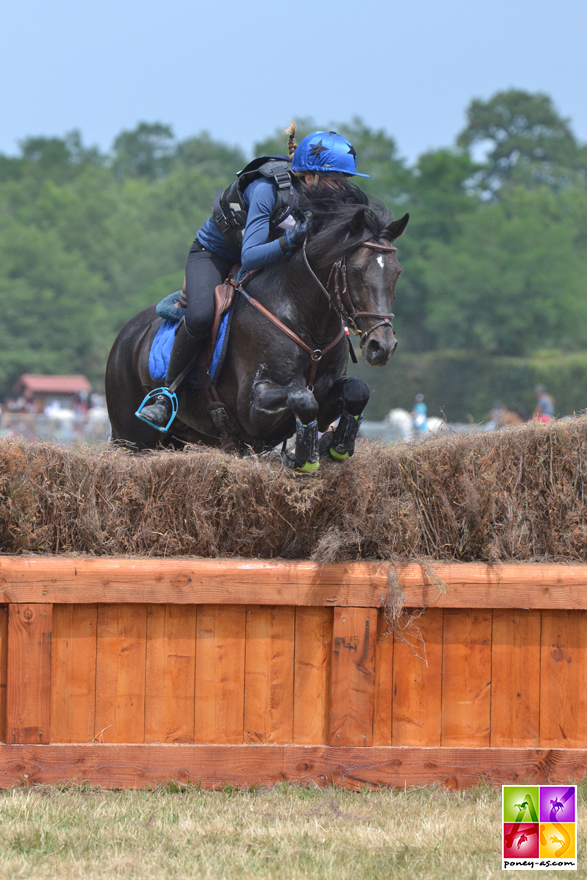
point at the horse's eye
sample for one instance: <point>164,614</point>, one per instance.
<point>355,272</point>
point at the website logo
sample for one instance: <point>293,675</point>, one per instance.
<point>539,823</point>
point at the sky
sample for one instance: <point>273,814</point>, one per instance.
<point>242,70</point>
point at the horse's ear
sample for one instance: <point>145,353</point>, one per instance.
<point>397,227</point>
<point>357,224</point>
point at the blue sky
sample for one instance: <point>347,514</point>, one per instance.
<point>240,70</point>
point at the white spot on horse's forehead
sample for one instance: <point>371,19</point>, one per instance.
<point>380,261</point>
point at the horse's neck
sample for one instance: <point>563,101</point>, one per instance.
<point>300,301</point>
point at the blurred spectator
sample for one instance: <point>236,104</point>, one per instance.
<point>419,414</point>
<point>544,411</point>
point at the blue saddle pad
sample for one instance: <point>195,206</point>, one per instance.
<point>163,343</point>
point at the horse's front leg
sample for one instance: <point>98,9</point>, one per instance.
<point>347,399</point>
<point>270,399</point>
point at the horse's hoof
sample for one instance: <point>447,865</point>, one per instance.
<point>327,450</point>
<point>308,467</point>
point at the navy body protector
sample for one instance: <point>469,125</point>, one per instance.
<point>230,209</point>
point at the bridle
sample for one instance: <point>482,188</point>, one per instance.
<point>339,298</point>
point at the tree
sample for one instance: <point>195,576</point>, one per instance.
<point>146,151</point>
<point>526,138</point>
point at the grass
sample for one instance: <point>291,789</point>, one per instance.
<point>284,832</point>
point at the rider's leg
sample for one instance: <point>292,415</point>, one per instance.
<point>204,271</point>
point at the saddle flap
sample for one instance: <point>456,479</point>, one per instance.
<point>223,297</point>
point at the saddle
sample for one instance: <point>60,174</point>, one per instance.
<point>223,299</point>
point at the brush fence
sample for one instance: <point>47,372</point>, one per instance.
<point>127,673</point>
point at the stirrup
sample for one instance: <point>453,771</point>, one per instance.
<point>171,395</point>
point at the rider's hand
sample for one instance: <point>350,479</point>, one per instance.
<point>295,236</point>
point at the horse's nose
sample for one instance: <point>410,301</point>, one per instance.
<point>377,352</point>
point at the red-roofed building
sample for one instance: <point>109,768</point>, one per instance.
<point>45,390</point>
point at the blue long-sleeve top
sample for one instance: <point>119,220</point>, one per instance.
<point>257,250</point>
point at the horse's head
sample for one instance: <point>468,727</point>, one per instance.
<point>370,277</point>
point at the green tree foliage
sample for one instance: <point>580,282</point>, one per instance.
<point>495,255</point>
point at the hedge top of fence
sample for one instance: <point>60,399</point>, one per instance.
<point>513,495</point>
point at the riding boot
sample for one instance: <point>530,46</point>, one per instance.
<point>341,442</point>
<point>305,456</point>
<point>185,347</point>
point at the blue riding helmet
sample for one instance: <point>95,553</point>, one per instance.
<point>324,152</point>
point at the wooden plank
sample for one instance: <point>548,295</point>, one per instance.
<point>28,681</point>
<point>238,582</point>
<point>220,673</point>
<point>269,674</point>
<point>417,682</point>
<point>515,678</point>
<point>563,679</point>
<point>313,652</point>
<point>352,689</point>
<point>3,670</point>
<point>466,678</point>
<point>170,673</point>
<point>213,766</point>
<point>382,711</point>
<point>120,673</point>
<point>73,673</point>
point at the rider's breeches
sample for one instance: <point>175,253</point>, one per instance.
<point>204,271</point>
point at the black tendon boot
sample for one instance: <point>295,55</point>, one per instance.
<point>185,348</point>
<point>341,442</point>
<point>305,457</point>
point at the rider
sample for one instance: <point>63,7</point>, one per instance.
<point>254,222</point>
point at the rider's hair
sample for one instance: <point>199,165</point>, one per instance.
<point>291,142</point>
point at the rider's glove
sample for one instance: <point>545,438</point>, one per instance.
<point>294,237</point>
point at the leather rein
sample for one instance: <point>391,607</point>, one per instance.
<point>336,292</point>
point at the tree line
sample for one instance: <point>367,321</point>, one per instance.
<point>495,255</point>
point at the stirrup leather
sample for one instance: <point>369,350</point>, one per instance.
<point>165,392</point>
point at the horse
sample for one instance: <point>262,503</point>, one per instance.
<point>285,366</point>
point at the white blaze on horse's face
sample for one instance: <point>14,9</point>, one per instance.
<point>372,276</point>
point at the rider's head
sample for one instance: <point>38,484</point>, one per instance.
<point>323,155</point>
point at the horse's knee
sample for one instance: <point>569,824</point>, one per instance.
<point>355,396</point>
<point>303,404</point>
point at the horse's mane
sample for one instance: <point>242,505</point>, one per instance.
<point>333,210</point>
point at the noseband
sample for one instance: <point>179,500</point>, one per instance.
<point>338,294</point>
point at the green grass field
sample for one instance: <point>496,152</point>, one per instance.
<point>284,832</point>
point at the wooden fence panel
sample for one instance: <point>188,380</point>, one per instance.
<point>220,673</point>
<point>170,673</point>
<point>28,698</point>
<point>120,673</point>
<point>466,678</point>
<point>73,673</point>
<point>313,654</point>
<point>269,674</point>
<point>383,707</point>
<point>352,692</point>
<point>515,678</point>
<point>3,665</point>
<point>563,692</point>
<point>417,682</point>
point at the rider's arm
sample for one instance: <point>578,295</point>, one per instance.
<point>257,251</point>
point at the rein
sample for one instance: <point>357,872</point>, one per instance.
<point>338,294</point>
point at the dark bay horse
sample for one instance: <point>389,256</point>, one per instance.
<point>272,385</point>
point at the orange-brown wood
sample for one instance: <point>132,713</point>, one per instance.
<point>3,664</point>
<point>515,678</point>
<point>417,681</point>
<point>352,690</point>
<point>120,673</point>
<point>28,682</point>
<point>466,678</point>
<point>220,673</point>
<point>313,652</point>
<point>563,690</point>
<point>232,582</point>
<point>213,766</point>
<point>170,673</point>
<point>269,674</point>
<point>73,673</point>
<point>382,712</point>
